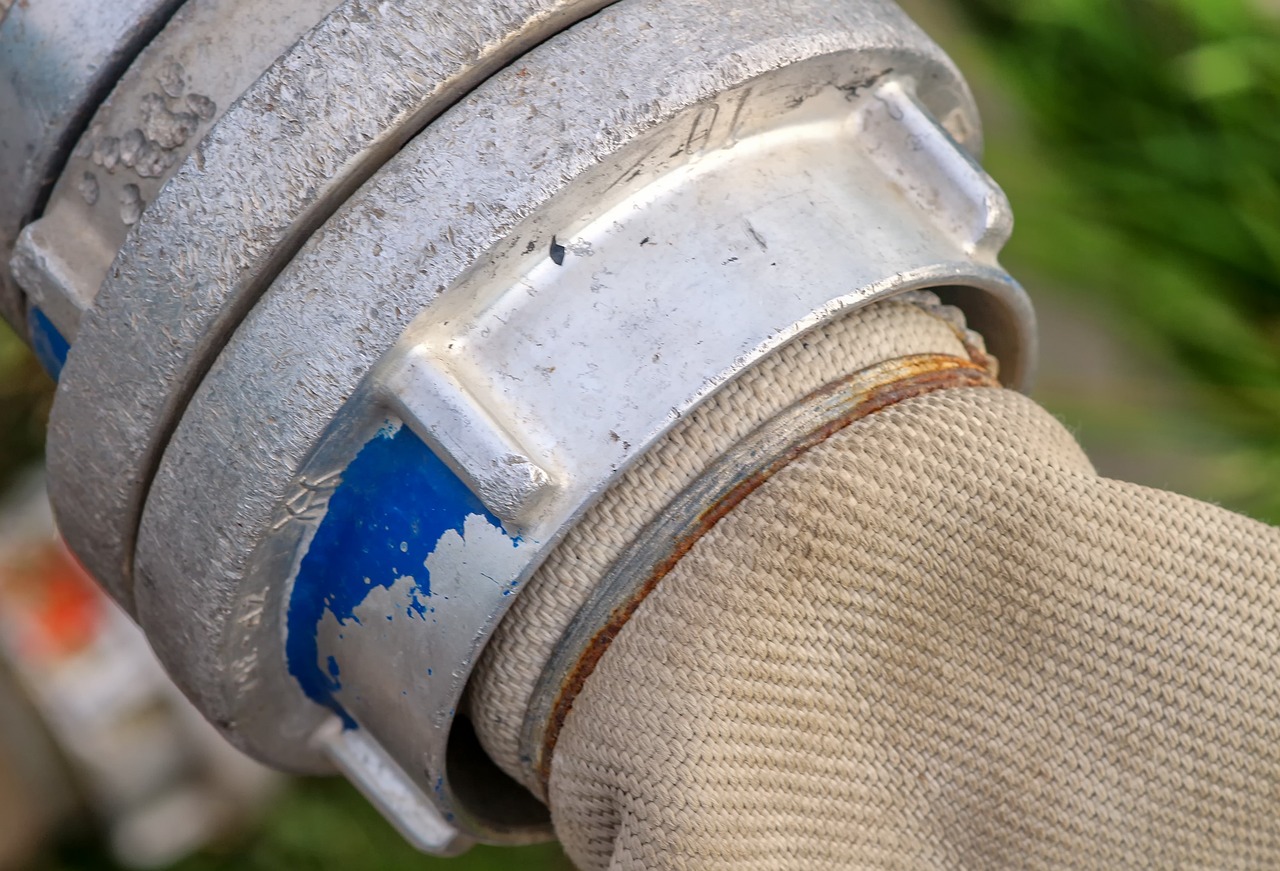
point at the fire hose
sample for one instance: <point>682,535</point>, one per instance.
<point>603,419</point>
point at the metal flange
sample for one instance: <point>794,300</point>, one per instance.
<point>284,156</point>
<point>58,59</point>
<point>476,345</point>
<point>180,84</point>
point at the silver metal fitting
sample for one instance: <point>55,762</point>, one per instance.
<point>209,52</point>
<point>372,349</point>
<point>57,59</point>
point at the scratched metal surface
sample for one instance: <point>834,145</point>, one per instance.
<point>265,437</point>
<point>172,94</point>
<point>58,58</point>
<point>294,146</point>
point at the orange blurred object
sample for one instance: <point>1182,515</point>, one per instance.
<point>92,731</point>
<point>54,607</point>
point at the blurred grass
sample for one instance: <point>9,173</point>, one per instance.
<point>25,395</point>
<point>323,825</point>
<point>1141,151</point>
<point>1139,141</point>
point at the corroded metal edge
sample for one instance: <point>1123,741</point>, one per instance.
<point>735,476</point>
<point>458,198</point>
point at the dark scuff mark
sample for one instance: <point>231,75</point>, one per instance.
<point>557,252</point>
<point>759,239</point>
<point>633,171</point>
<point>531,247</point>
<point>644,241</point>
<point>854,90</point>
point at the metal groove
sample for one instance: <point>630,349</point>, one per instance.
<point>179,322</point>
<point>56,68</point>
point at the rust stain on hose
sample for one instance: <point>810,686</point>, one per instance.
<point>861,394</point>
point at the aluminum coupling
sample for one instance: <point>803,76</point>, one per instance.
<point>352,330</point>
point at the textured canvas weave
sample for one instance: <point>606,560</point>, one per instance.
<point>940,640</point>
<point>505,677</point>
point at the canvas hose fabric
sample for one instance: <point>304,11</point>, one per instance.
<point>934,638</point>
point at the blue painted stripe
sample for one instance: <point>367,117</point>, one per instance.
<point>49,344</point>
<point>396,500</point>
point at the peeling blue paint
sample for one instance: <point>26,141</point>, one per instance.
<point>396,500</point>
<point>49,345</point>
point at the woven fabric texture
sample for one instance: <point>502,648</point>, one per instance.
<point>506,675</point>
<point>938,639</point>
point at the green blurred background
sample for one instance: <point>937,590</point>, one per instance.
<point>1139,141</point>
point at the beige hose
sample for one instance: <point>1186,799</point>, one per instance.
<point>939,639</point>
<point>507,673</point>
